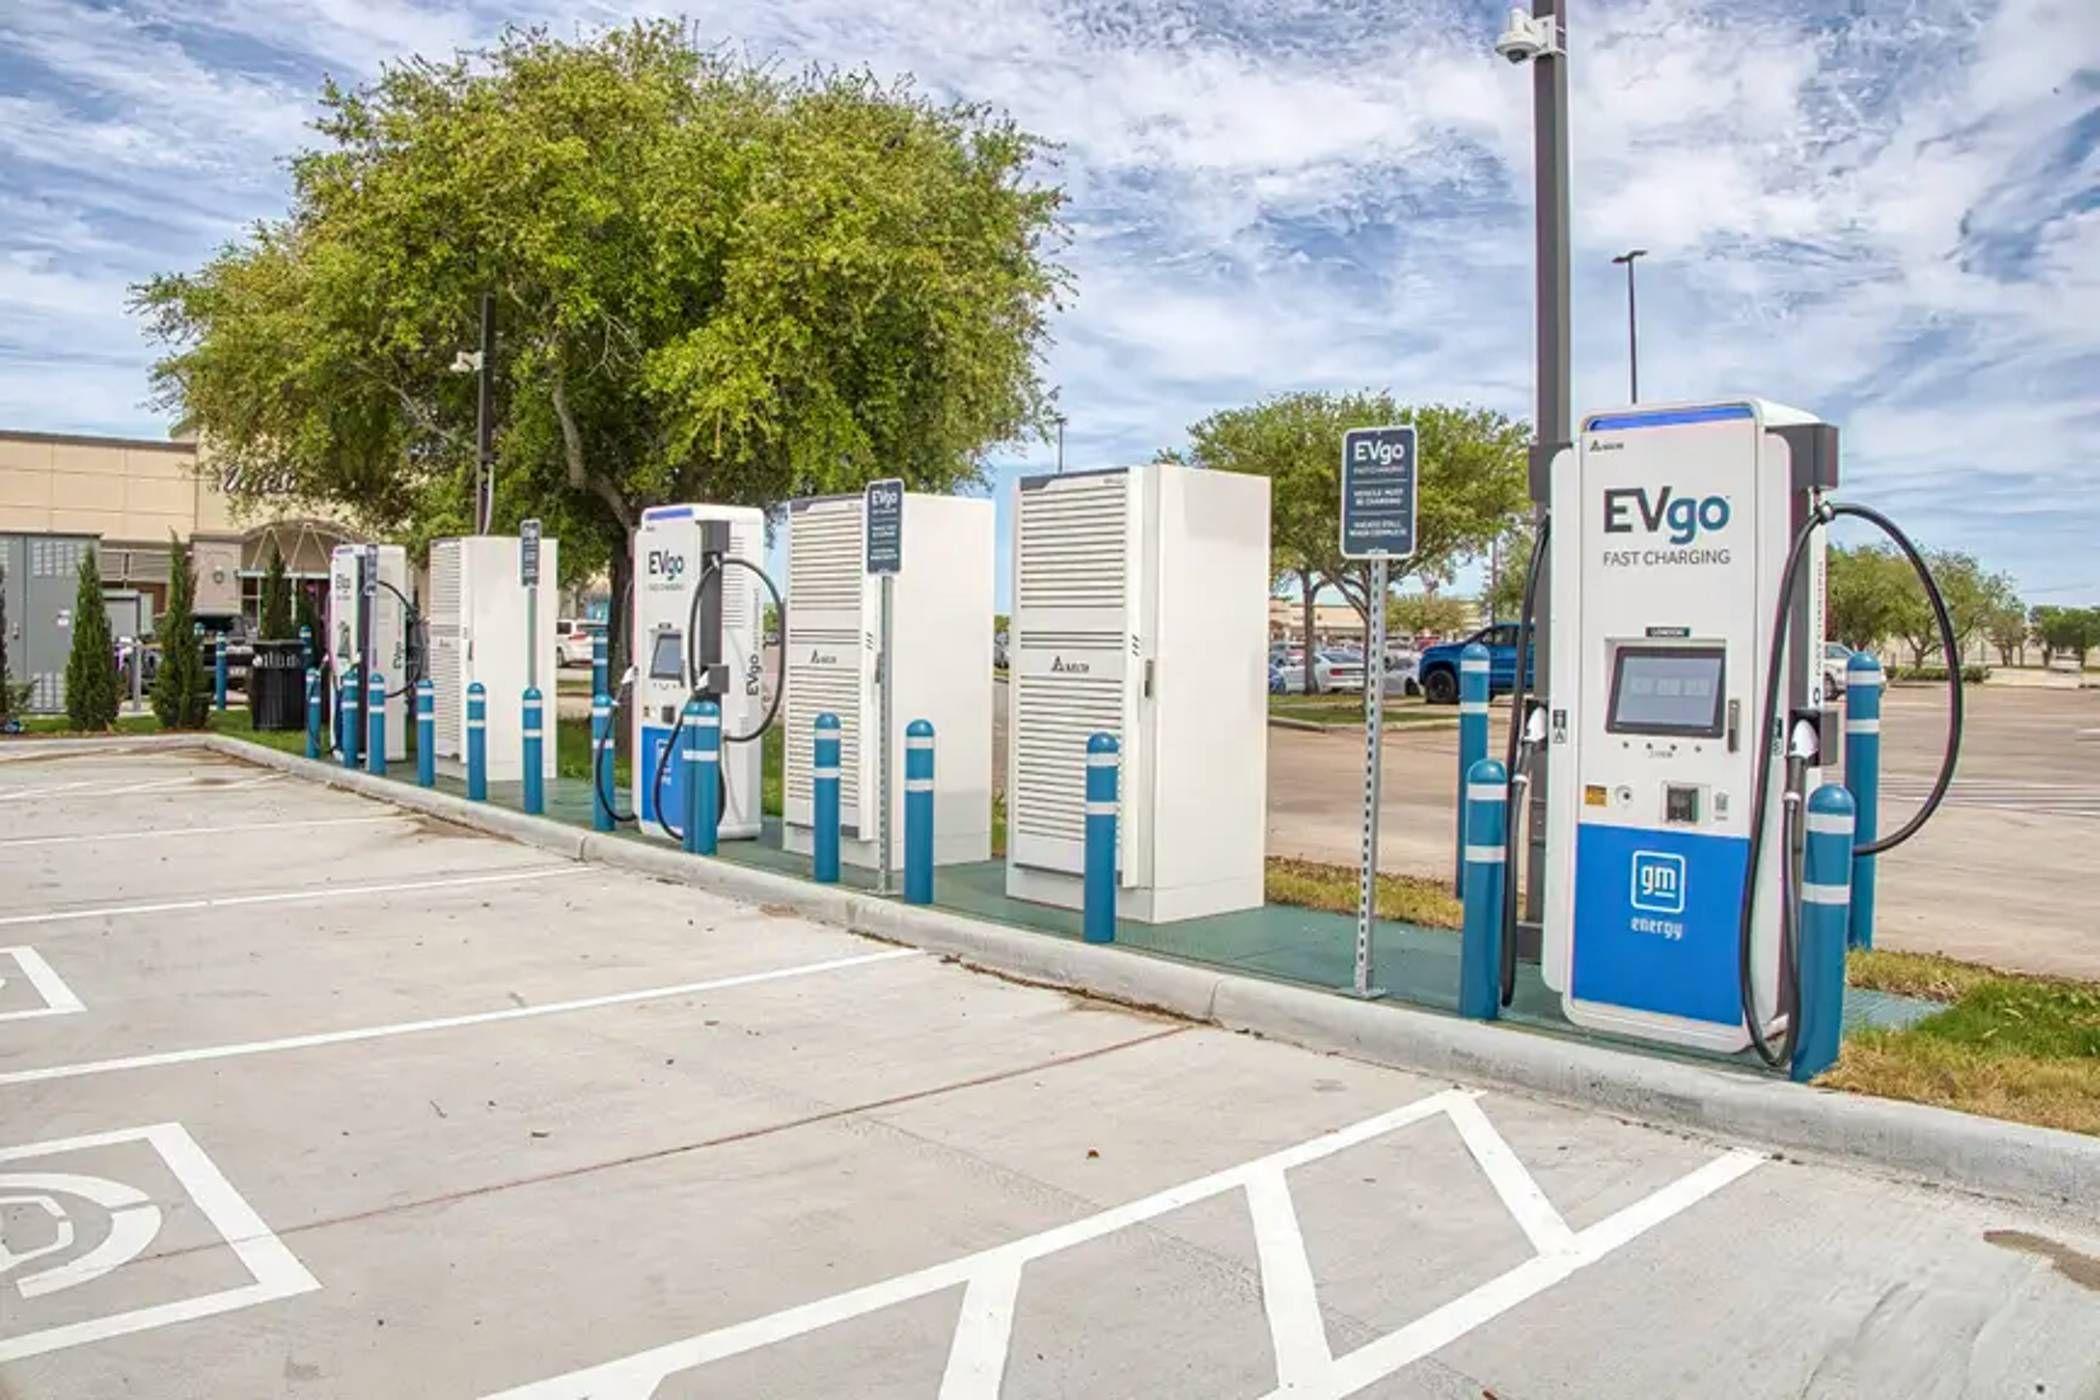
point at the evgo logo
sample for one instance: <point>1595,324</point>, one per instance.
<point>1683,516</point>
<point>666,564</point>
<point>1658,882</point>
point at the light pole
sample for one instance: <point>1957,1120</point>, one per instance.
<point>1060,444</point>
<point>1633,333</point>
<point>1540,40</point>
<point>482,364</point>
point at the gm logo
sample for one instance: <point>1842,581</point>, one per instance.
<point>1658,882</point>
<point>1684,516</point>
<point>664,563</point>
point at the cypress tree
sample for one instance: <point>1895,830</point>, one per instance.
<point>8,690</point>
<point>306,616</point>
<point>181,690</point>
<point>276,601</point>
<point>91,667</point>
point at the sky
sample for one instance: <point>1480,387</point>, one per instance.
<point>1885,211</point>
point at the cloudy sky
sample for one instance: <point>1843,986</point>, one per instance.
<point>1884,210</point>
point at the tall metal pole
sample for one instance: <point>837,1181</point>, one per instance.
<point>1364,983</point>
<point>1060,444</point>
<point>1554,425</point>
<point>886,679</point>
<point>484,415</point>
<point>1633,335</point>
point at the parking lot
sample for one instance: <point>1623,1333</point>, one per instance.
<point>303,1095</point>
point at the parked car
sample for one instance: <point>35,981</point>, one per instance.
<point>999,660</point>
<point>1343,669</point>
<point>1836,657</point>
<point>1438,665</point>
<point>1287,672</point>
<point>572,641</point>
<point>1402,672</point>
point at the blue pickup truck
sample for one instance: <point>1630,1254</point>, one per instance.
<point>1438,667</point>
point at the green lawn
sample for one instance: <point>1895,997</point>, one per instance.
<point>1349,709</point>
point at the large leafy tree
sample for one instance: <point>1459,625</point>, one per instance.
<point>1869,595</point>
<point>1470,482</point>
<point>712,281</point>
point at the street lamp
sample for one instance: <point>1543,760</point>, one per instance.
<point>1633,334</point>
<point>1540,40</point>
<point>1060,444</point>
<point>482,364</point>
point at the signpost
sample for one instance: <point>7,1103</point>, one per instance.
<point>529,577</point>
<point>1378,524</point>
<point>884,534</point>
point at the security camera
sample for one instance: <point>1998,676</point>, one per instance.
<point>1528,37</point>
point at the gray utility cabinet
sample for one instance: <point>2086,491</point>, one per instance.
<point>43,574</point>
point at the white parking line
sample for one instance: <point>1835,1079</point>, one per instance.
<point>157,833</point>
<point>57,997</point>
<point>439,1023</point>
<point>87,787</point>
<point>229,901</point>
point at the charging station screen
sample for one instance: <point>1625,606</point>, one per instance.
<point>667,660</point>
<point>1674,691</point>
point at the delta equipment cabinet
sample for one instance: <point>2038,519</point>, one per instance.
<point>1141,611</point>
<point>478,632</point>
<point>389,632</point>
<point>941,629</point>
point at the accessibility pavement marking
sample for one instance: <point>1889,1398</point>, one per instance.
<point>276,1272</point>
<point>438,1023</point>
<point>991,1278</point>
<point>228,901</point>
<point>58,998</point>
<point>169,832</point>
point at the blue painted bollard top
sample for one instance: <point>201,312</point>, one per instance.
<point>348,731</point>
<point>426,733</point>
<point>1480,949</point>
<point>703,775</point>
<point>313,713</point>
<point>534,760</point>
<point>477,742</point>
<point>918,812</point>
<point>1863,686</point>
<point>1472,734</point>
<point>1826,898</point>
<point>601,767</point>
<point>1098,919</point>
<point>375,736</point>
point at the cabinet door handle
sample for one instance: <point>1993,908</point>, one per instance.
<point>1735,724</point>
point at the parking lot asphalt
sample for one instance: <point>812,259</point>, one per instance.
<point>303,1096</point>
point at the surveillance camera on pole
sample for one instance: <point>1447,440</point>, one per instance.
<point>1529,37</point>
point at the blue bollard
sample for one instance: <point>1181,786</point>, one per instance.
<point>426,733</point>
<point>1098,920</point>
<point>601,740</point>
<point>707,776</point>
<point>375,717</point>
<point>348,732</point>
<point>1480,952</point>
<point>313,713</point>
<point>535,759</point>
<point>601,666</point>
<point>1472,737</point>
<point>824,783</point>
<point>1863,780</point>
<point>918,812</point>
<point>218,674</point>
<point>477,742</point>
<point>1826,899</point>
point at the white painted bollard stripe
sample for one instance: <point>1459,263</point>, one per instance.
<point>600,711</point>
<point>1100,809</point>
<point>477,724</point>
<point>1862,726</point>
<point>824,771</point>
<point>1832,823</point>
<point>1472,707</point>
<point>1101,760</point>
<point>1486,792</point>
<point>698,755</point>
<point>918,741</point>
<point>1474,665</point>
<point>1870,680</point>
<point>918,785</point>
<point>705,721</point>
<point>1483,855</point>
<point>1812,893</point>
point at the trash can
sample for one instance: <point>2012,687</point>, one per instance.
<point>277,686</point>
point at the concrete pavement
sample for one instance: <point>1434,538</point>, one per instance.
<point>409,1110</point>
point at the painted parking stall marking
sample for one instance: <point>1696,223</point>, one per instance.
<point>30,988</point>
<point>2036,799</point>
<point>172,832</point>
<point>68,792</point>
<point>992,1280</point>
<point>317,892</point>
<point>79,1211</point>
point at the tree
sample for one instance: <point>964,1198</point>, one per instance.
<point>181,693</point>
<point>2007,627</point>
<point>91,666</point>
<point>1470,480</point>
<point>1868,592</point>
<point>713,282</point>
<point>2075,630</point>
<point>276,600</point>
<point>305,615</point>
<point>1426,613</point>
<point>1504,598</point>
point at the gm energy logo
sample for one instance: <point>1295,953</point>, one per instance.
<point>1658,882</point>
<point>1681,520</point>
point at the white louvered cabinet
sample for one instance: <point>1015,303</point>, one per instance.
<point>1140,610</point>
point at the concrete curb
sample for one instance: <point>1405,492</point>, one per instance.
<point>1935,1145</point>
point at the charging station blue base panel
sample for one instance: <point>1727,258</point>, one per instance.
<point>1655,921</point>
<point>653,740</point>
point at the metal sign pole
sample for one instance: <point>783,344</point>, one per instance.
<point>529,578</point>
<point>1374,743</point>
<point>885,674</point>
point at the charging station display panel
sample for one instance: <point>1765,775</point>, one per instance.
<point>667,657</point>
<point>1668,691</point>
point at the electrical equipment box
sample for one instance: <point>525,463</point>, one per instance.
<point>1671,528</point>
<point>349,589</point>
<point>1141,610</point>
<point>41,577</point>
<point>477,621</point>
<point>691,640</point>
<point>941,631</point>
